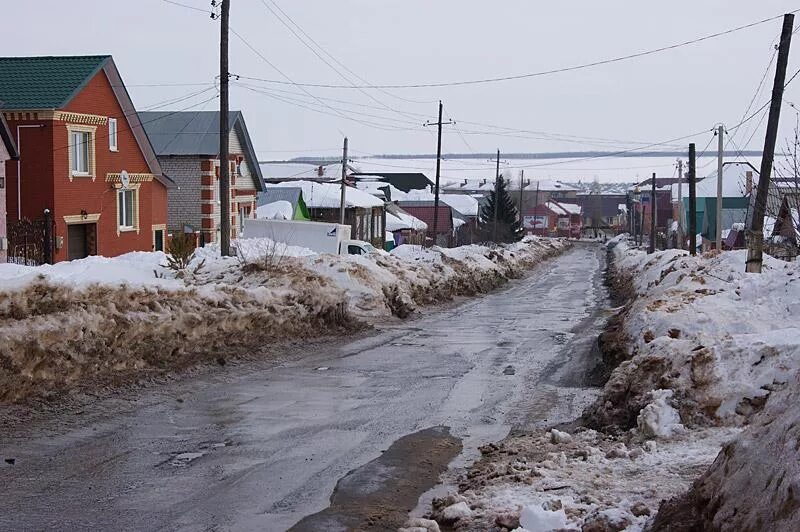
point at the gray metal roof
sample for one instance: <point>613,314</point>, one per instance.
<point>196,133</point>
<point>273,194</point>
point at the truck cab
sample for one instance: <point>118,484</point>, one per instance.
<point>356,247</point>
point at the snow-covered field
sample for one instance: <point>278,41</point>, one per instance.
<point>107,319</point>
<point>708,345</point>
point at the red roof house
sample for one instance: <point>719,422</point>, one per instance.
<point>86,165</point>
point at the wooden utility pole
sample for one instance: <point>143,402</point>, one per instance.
<point>692,200</point>
<point>720,150</point>
<point>344,182</point>
<point>439,123</point>
<point>224,134</point>
<point>535,207</point>
<point>653,217</point>
<point>755,240</point>
<point>496,198</point>
<point>521,221</point>
<point>681,235</point>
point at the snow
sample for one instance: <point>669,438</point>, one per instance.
<point>328,195</point>
<point>659,419</point>
<point>101,316</point>
<point>463,203</point>
<point>456,511</point>
<point>534,518</point>
<point>278,210</point>
<point>395,223</point>
<point>563,208</point>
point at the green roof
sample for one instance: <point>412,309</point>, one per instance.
<point>45,82</point>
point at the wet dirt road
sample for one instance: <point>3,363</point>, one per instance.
<point>260,446</point>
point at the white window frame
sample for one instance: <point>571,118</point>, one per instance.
<point>81,152</point>
<point>113,141</point>
<point>122,212</point>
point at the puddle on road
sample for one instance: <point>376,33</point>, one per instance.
<point>185,458</point>
<point>380,494</point>
<point>509,370</point>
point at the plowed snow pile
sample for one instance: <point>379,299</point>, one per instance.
<point>105,319</point>
<point>708,347</point>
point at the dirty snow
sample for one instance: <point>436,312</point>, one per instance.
<point>103,316</point>
<point>708,346</point>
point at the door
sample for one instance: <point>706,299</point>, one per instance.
<point>81,241</point>
<point>158,240</point>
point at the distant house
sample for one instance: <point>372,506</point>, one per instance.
<point>554,219</point>
<point>8,151</point>
<point>290,196</point>
<point>446,230</point>
<point>187,146</point>
<point>405,228</point>
<point>84,158</point>
<point>739,180</point>
<point>364,213</point>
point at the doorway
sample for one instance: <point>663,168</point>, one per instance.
<point>81,241</point>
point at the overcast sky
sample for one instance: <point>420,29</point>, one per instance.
<point>653,98</point>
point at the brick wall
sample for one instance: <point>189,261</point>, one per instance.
<point>184,202</point>
<point>3,159</point>
<point>46,183</point>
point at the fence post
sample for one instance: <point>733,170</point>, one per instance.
<point>48,237</point>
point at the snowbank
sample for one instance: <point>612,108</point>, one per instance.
<point>704,348</point>
<point>719,339</point>
<point>109,318</point>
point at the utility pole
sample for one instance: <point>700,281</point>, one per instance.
<point>224,134</point>
<point>496,198</point>
<point>536,206</point>
<point>344,181</point>
<point>692,200</point>
<point>681,237</point>
<point>720,148</point>
<point>439,123</point>
<point>653,217</point>
<point>521,222</point>
<point>755,240</point>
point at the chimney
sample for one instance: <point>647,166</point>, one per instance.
<point>465,182</point>
<point>749,182</point>
<point>320,171</point>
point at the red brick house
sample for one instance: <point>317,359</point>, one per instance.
<point>8,151</point>
<point>78,134</point>
<point>554,219</point>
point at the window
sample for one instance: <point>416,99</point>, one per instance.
<point>126,208</point>
<point>112,134</point>
<point>79,149</point>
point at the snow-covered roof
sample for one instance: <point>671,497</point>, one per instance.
<point>566,208</point>
<point>550,185</point>
<point>734,182</point>
<point>327,195</point>
<point>622,208</point>
<point>463,203</point>
<point>277,210</point>
<point>395,223</point>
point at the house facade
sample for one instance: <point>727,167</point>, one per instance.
<point>85,161</point>
<point>187,147</point>
<point>554,219</point>
<point>8,151</point>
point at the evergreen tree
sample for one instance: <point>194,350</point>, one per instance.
<point>508,228</point>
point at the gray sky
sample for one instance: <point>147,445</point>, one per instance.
<point>653,98</point>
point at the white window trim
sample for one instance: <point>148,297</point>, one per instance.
<point>113,135</point>
<point>90,163</point>
<point>134,188</point>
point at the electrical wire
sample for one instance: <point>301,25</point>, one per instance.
<point>534,74</point>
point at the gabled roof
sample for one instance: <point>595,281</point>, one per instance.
<point>196,133</point>
<point>51,82</point>
<point>8,140</point>
<point>563,208</point>
<point>45,82</point>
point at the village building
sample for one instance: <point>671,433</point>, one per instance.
<point>87,181</point>
<point>187,146</point>
<point>554,219</point>
<point>364,213</point>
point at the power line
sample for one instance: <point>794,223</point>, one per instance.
<point>533,74</point>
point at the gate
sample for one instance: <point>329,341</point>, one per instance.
<point>30,242</point>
